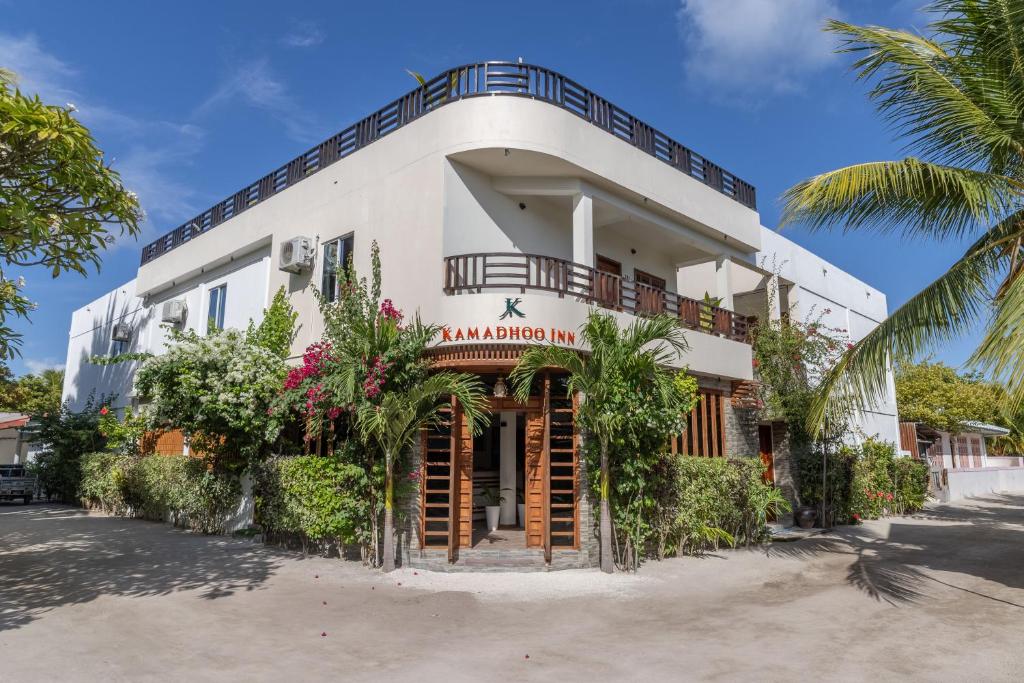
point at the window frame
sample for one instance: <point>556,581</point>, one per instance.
<point>334,268</point>
<point>215,318</point>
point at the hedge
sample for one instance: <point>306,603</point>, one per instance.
<point>317,500</point>
<point>160,487</point>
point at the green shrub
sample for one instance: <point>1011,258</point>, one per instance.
<point>716,500</point>
<point>864,482</point>
<point>102,480</point>
<point>177,488</point>
<point>317,498</point>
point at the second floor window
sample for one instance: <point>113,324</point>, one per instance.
<point>336,256</point>
<point>215,315</point>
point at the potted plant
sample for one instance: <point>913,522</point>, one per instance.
<point>521,506</point>
<point>492,506</point>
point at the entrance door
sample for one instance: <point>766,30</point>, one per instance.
<point>764,437</point>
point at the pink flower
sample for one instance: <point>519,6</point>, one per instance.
<point>104,410</point>
<point>388,311</point>
<point>849,346</point>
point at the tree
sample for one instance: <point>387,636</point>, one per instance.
<point>33,395</point>
<point>955,98</point>
<point>60,203</point>
<point>935,395</point>
<point>392,424</point>
<point>620,376</point>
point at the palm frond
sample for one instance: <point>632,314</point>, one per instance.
<point>927,90</point>
<point>940,312</point>
<point>913,197</point>
<point>535,360</point>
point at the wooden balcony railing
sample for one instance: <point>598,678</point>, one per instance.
<point>473,273</point>
<point>483,79</point>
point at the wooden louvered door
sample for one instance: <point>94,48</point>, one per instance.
<point>438,490</point>
<point>536,479</point>
<point>564,468</point>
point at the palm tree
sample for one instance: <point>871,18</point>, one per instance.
<point>619,363</point>
<point>392,425</point>
<point>957,99</point>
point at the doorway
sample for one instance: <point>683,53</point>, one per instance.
<point>499,480</point>
<point>766,451</point>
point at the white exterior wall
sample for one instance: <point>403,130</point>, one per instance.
<point>92,325</point>
<point>818,286</point>
<point>428,190</point>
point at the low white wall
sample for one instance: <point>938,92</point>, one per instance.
<point>1005,461</point>
<point>965,483</point>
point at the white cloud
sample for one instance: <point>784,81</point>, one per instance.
<point>304,34</point>
<point>35,366</point>
<point>255,84</point>
<point>744,50</point>
<point>149,149</point>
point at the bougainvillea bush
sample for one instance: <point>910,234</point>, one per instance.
<point>369,349</point>
<point>218,389</point>
<point>789,359</point>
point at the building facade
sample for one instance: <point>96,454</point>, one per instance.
<point>508,201</point>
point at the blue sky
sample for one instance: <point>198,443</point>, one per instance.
<point>193,100</point>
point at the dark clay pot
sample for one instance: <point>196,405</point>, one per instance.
<point>806,517</point>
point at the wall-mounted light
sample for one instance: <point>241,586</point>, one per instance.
<point>500,390</point>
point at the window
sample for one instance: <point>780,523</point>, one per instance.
<point>215,316</point>
<point>336,258</point>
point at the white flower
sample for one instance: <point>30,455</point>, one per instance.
<point>70,106</point>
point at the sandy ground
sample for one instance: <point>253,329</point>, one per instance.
<point>936,597</point>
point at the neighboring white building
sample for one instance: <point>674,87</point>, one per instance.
<point>496,186</point>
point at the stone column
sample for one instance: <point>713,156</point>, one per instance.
<point>507,468</point>
<point>774,298</point>
<point>723,281</point>
<point>583,229</point>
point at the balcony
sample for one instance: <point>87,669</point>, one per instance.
<point>474,273</point>
<point>482,79</point>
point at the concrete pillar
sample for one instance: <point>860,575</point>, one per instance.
<point>583,229</point>
<point>507,467</point>
<point>723,281</point>
<point>774,298</point>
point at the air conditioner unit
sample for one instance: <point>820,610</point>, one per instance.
<point>122,332</point>
<point>296,255</point>
<point>173,311</point>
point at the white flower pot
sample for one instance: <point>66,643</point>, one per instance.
<point>522,514</point>
<point>493,512</point>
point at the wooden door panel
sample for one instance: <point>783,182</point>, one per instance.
<point>464,468</point>
<point>535,476</point>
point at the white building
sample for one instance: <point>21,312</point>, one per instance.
<point>496,184</point>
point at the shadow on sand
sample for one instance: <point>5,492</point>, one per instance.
<point>982,538</point>
<point>53,555</point>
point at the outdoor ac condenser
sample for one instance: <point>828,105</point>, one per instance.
<point>173,311</point>
<point>122,332</point>
<point>296,255</point>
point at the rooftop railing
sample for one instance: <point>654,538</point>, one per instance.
<point>471,80</point>
<point>474,273</point>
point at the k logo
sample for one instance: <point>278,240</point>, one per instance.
<point>511,310</point>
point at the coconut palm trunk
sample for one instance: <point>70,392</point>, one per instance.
<point>607,562</point>
<point>388,561</point>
